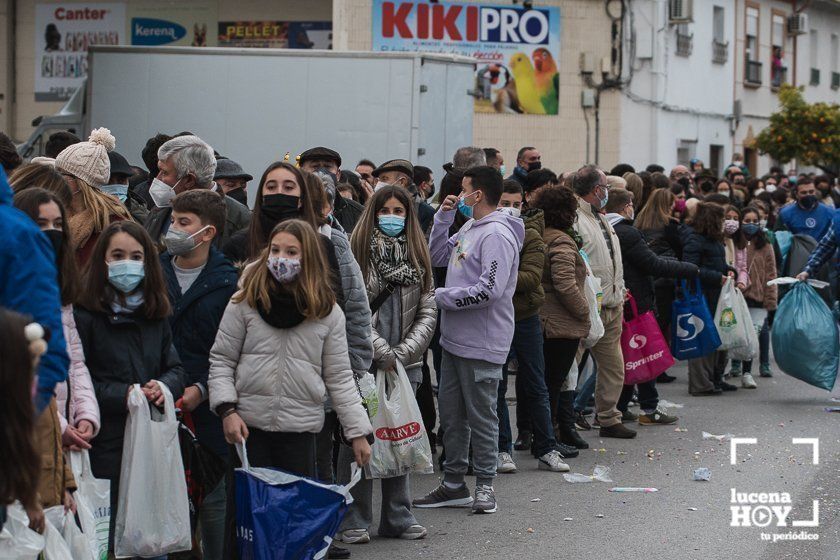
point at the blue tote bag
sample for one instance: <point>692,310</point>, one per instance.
<point>281,516</point>
<point>693,332</point>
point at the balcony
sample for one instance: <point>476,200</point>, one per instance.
<point>684,43</point>
<point>835,80</point>
<point>720,51</point>
<point>815,77</point>
<point>752,73</point>
<point>778,76</point>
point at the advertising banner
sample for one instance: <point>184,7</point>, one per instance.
<point>276,34</point>
<point>185,23</point>
<point>518,49</point>
<point>63,33</point>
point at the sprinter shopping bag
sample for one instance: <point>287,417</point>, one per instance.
<point>281,516</point>
<point>153,514</point>
<point>805,338</point>
<point>93,504</point>
<point>693,332</point>
<point>643,346</point>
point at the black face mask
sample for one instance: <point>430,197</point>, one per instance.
<point>534,165</point>
<point>808,202</point>
<point>278,208</point>
<point>56,237</point>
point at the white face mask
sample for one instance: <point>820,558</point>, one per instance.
<point>771,188</point>
<point>510,211</point>
<point>161,193</point>
<point>380,185</point>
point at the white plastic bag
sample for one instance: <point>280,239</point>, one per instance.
<point>599,474</point>
<point>93,504</point>
<point>370,398</point>
<point>749,351</point>
<point>401,444</point>
<point>594,295</point>
<point>729,318</point>
<point>56,547</point>
<point>153,516</point>
<point>17,540</point>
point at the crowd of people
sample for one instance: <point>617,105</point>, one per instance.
<point>259,307</point>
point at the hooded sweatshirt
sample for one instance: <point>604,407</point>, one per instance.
<point>477,316</point>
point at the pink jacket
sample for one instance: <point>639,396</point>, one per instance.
<point>83,405</point>
<point>737,258</point>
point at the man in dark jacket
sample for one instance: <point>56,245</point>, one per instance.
<point>641,266</point>
<point>193,169</point>
<point>200,282</point>
<point>345,210</point>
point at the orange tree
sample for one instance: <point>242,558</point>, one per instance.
<point>807,132</point>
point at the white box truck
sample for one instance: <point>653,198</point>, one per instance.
<point>254,105</point>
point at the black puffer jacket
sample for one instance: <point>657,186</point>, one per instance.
<point>710,256</point>
<point>642,265</point>
<point>665,242</point>
<point>121,350</point>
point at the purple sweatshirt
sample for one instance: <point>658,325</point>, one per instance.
<point>482,261</point>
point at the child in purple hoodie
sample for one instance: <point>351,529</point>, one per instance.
<point>476,327</point>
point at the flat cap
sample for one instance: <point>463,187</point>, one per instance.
<point>320,152</point>
<point>401,165</point>
<point>229,169</point>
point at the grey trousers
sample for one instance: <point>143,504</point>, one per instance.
<point>705,372</point>
<point>467,401</point>
<point>395,514</point>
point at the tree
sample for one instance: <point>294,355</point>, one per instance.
<point>807,132</point>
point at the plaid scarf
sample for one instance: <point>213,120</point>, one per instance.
<point>390,257</point>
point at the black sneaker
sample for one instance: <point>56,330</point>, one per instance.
<point>665,378</point>
<point>445,497</point>
<point>523,441</point>
<point>337,553</point>
<point>581,423</point>
<point>724,386</point>
<point>567,451</point>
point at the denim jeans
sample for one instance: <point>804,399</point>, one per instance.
<point>587,390</point>
<point>528,347</point>
<point>212,520</point>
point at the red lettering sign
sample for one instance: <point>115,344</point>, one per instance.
<point>443,22</point>
<point>400,433</point>
<point>392,19</point>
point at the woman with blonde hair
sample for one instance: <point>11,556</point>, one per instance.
<point>663,233</point>
<point>42,176</point>
<point>86,168</point>
<point>392,252</point>
<point>284,330</point>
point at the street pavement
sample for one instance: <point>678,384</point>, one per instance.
<point>543,516</point>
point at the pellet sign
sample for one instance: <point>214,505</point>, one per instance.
<point>517,49</point>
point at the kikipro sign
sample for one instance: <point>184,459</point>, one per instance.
<point>152,32</point>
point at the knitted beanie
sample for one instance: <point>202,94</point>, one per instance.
<point>88,160</point>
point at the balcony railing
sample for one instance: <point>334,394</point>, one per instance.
<point>752,73</point>
<point>720,51</point>
<point>835,80</point>
<point>684,44</point>
<point>815,77</point>
<point>778,76</point>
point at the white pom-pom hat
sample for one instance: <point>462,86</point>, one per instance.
<point>89,160</point>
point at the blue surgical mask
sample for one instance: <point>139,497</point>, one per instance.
<point>126,275</point>
<point>119,191</point>
<point>465,208</point>
<point>503,170</point>
<point>603,201</point>
<point>391,225</point>
<point>750,229</point>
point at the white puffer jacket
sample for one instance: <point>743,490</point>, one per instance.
<point>279,378</point>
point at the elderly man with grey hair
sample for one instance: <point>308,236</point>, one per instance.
<point>186,163</point>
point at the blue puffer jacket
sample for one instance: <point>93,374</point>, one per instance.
<point>195,319</point>
<point>29,285</point>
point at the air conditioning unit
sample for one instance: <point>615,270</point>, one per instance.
<point>797,24</point>
<point>680,11</point>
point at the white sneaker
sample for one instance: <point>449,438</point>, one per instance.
<point>552,461</point>
<point>505,464</point>
<point>747,382</point>
<point>354,536</point>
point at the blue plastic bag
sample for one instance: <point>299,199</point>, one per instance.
<point>805,338</point>
<point>693,332</point>
<point>281,516</point>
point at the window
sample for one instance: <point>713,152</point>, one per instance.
<point>752,70</point>
<point>814,53</point>
<point>720,47</point>
<point>835,61</point>
<point>778,69</point>
<point>716,158</point>
<point>684,40</point>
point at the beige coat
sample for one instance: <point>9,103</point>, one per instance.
<point>418,315</point>
<point>565,313</point>
<point>279,379</point>
<point>608,269</point>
